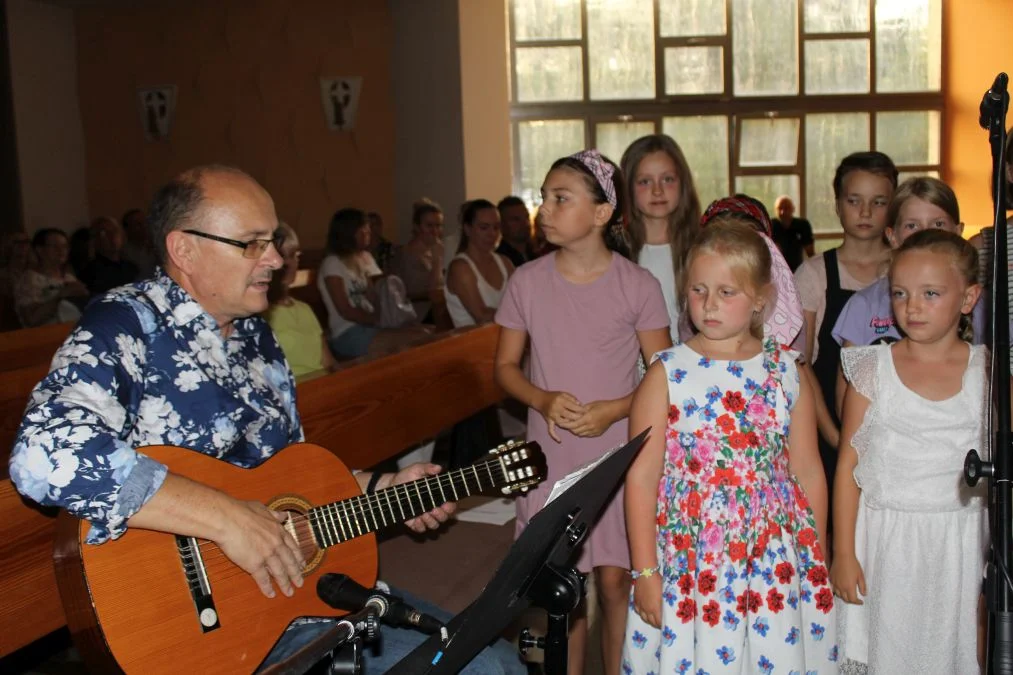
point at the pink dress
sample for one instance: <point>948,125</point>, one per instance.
<point>583,341</point>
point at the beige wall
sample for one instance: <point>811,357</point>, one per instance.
<point>50,140</point>
<point>978,45</point>
<point>485,91</point>
<point>247,73</point>
<point>427,102</point>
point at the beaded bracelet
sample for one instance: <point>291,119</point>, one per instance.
<point>646,572</point>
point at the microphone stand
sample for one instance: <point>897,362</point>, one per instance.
<point>999,471</point>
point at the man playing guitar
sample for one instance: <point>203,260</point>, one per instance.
<point>184,359</point>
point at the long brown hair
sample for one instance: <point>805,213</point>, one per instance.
<point>684,222</point>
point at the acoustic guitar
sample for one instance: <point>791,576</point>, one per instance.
<point>151,602</point>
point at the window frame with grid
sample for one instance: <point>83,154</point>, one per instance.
<point>737,110</point>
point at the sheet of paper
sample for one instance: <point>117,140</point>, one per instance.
<point>564,483</point>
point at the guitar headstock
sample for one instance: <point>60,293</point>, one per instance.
<point>523,464</point>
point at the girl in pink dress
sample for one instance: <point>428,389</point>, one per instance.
<point>725,522</point>
<point>589,312</point>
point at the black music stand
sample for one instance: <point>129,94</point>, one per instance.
<point>536,571</point>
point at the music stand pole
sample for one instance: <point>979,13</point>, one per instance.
<point>998,471</point>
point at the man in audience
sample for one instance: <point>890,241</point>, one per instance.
<point>185,359</point>
<point>137,248</point>
<point>381,247</point>
<point>794,236</point>
<point>107,269</point>
<point>515,226</point>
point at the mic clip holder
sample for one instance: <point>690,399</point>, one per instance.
<point>360,627</point>
<point>558,590</point>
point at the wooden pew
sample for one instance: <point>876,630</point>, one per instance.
<point>15,386</point>
<point>365,413</point>
<point>31,346</point>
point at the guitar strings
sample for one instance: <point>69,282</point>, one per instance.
<point>360,506</point>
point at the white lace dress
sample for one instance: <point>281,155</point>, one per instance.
<point>921,532</point>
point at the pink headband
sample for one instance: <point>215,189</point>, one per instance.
<point>601,170</point>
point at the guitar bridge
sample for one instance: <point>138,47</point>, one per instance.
<point>197,581</point>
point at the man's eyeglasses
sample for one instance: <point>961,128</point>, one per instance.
<point>253,249</point>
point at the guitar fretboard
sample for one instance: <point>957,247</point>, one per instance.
<point>349,518</point>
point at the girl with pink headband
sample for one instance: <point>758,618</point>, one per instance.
<point>784,320</point>
<point>587,312</point>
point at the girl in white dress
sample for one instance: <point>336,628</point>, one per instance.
<point>909,543</point>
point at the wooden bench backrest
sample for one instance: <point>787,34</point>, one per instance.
<point>15,386</point>
<point>31,346</point>
<point>367,412</point>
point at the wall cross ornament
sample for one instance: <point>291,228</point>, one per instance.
<point>340,98</point>
<point>157,107</point>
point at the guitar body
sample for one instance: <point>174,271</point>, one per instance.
<point>129,602</point>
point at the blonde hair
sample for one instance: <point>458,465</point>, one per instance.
<point>964,257</point>
<point>422,207</point>
<point>926,188</point>
<point>684,222</point>
<point>736,240</point>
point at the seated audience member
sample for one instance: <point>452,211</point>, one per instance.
<point>476,281</point>
<point>381,247</point>
<point>794,236</point>
<point>294,324</point>
<point>49,293</point>
<point>515,222</point>
<point>419,263</point>
<point>137,248</point>
<point>15,260</point>
<point>478,274</point>
<point>347,282</point>
<point>82,251</point>
<point>213,378</point>
<point>107,269</point>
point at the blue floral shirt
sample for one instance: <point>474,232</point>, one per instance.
<point>146,365</point>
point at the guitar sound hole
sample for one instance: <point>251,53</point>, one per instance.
<point>298,526</point>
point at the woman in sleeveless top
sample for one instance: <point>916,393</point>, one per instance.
<point>476,281</point>
<point>477,275</point>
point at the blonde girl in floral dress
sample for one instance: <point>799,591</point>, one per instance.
<point>725,524</point>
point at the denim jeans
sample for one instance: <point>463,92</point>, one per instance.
<point>394,644</point>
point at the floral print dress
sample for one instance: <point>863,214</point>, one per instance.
<point>744,584</point>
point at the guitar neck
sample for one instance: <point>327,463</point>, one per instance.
<point>346,519</point>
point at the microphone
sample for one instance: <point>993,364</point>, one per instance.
<point>342,592</point>
<point>994,102</point>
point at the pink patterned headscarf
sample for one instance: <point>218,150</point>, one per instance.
<point>784,322</point>
<point>601,170</point>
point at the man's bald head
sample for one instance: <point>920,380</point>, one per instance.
<point>186,200</point>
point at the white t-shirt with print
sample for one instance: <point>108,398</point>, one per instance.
<point>356,285</point>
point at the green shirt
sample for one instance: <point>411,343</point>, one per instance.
<point>300,335</point>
